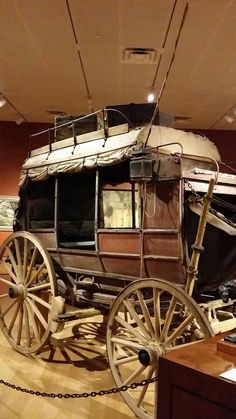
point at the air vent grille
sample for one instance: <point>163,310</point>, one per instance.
<point>139,56</point>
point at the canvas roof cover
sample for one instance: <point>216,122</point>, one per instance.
<point>90,151</point>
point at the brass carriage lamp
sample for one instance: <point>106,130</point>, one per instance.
<point>141,166</point>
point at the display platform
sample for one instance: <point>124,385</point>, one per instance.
<point>190,385</point>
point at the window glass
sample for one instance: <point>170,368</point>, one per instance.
<point>119,199</point>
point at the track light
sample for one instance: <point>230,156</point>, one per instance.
<point>89,103</point>
<point>3,101</point>
<point>19,119</point>
<point>229,118</point>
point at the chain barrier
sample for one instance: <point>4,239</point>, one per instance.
<point>80,395</point>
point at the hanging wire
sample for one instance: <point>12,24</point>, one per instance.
<point>228,166</point>
<point>167,74</point>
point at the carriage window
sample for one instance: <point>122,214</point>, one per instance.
<point>40,204</point>
<point>76,210</point>
<point>119,199</point>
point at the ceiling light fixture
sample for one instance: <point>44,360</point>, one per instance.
<point>19,119</point>
<point>89,100</point>
<point>89,103</point>
<point>229,118</point>
<point>3,101</point>
<point>55,112</point>
<point>151,97</point>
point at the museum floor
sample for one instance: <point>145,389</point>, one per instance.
<point>77,364</point>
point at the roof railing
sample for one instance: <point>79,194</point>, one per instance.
<point>72,122</point>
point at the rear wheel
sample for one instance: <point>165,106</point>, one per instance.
<point>149,318</point>
<point>28,292</point>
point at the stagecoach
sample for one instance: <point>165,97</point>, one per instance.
<point>134,223</point>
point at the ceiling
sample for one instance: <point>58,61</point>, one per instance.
<point>77,56</point>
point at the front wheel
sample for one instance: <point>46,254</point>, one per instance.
<point>149,318</point>
<point>28,291</point>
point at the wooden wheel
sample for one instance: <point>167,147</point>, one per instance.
<point>149,318</point>
<point>27,292</point>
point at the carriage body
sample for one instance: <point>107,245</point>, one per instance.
<point>117,221</point>
<point>100,215</point>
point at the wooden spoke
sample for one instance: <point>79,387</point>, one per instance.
<point>14,317</point>
<point>126,360</point>
<point>5,281</point>
<point>25,259</point>
<point>27,326</point>
<point>136,318</point>
<point>181,345</point>
<point>3,295</point>
<point>157,312</point>
<point>32,322</point>
<point>39,300</point>
<point>36,274</point>
<point>39,287</point>
<point>36,311</point>
<point>121,352</point>
<point>9,271</point>
<point>144,388</point>
<point>8,309</point>
<point>14,264</point>
<point>20,323</point>
<point>131,329</point>
<point>128,343</point>
<point>168,319</point>
<point>145,311</point>
<point>18,258</point>
<point>32,264</point>
<point>136,374</point>
<point>156,390</point>
<point>178,331</point>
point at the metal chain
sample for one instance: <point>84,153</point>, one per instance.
<point>80,395</point>
<point>191,188</point>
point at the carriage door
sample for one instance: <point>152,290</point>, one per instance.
<point>76,210</point>
<point>119,221</point>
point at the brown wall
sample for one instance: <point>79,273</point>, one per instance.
<point>14,147</point>
<point>225,142</point>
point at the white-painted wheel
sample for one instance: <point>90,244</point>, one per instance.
<point>149,318</point>
<point>27,292</point>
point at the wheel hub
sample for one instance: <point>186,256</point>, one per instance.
<point>146,357</point>
<point>19,291</point>
<point>150,354</point>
